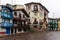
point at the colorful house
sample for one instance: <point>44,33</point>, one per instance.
<point>52,24</point>
<point>6,16</point>
<point>2,30</point>
<point>59,24</point>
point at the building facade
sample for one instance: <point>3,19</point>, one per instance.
<point>52,24</point>
<point>38,15</point>
<point>17,18</point>
<point>6,17</point>
<point>20,19</point>
<point>2,31</point>
<point>59,24</point>
<point>14,19</point>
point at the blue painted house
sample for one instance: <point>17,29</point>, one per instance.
<point>7,15</point>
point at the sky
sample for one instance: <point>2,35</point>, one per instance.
<point>52,5</point>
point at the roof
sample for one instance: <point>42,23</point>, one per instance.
<point>20,8</point>
<point>53,18</point>
<point>39,4</point>
<point>10,9</point>
<point>59,19</point>
<point>23,10</point>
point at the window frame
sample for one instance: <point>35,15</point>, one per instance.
<point>35,8</point>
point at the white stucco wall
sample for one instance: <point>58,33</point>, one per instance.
<point>39,13</point>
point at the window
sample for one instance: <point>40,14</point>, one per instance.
<point>28,7</point>
<point>41,23</point>
<point>5,20</point>
<point>22,22</point>
<point>48,25</point>
<point>15,22</point>
<point>0,20</point>
<point>6,11</point>
<point>45,14</point>
<point>35,8</point>
<point>57,22</point>
<point>41,15</point>
<point>35,21</point>
<point>19,29</point>
<point>29,12</point>
<point>23,16</point>
<point>35,14</point>
<point>18,22</point>
<point>41,8</point>
<point>32,17</point>
<point>19,15</point>
<point>10,21</point>
<point>50,20</point>
<point>15,13</point>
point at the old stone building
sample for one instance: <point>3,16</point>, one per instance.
<point>20,19</point>
<point>31,16</point>
<point>38,15</point>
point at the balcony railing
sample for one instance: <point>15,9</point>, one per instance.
<point>5,15</point>
<point>15,25</point>
<point>23,19</point>
<point>34,24</point>
<point>6,25</point>
<point>19,18</point>
<point>15,16</point>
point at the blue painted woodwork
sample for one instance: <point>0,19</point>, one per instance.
<point>7,8</point>
<point>7,30</point>
<point>4,15</point>
<point>6,25</point>
<point>7,12</point>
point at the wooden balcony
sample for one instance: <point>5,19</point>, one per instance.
<point>15,25</point>
<point>18,18</point>
<point>6,25</point>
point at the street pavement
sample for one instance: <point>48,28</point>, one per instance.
<point>47,35</point>
<point>42,35</point>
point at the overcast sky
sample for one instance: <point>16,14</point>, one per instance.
<point>52,5</point>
